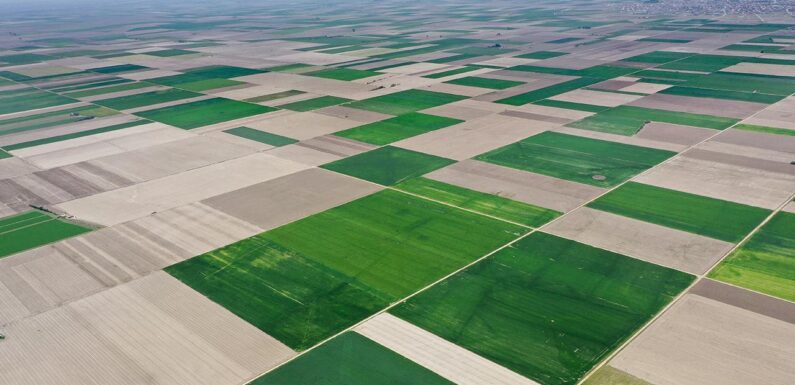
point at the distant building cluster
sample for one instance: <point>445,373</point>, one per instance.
<point>707,7</point>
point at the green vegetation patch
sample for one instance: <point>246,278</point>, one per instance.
<point>274,96</point>
<point>118,68</point>
<point>312,278</point>
<point>715,218</point>
<point>23,58</point>
<point>346,74</point>
<point>766,262</point>
<point>351,359</point>
<point>397,128</point>
<point>628,120</point>
<point>489,204</point>
<point>453,58</point>
<point>545,307</point>
<point>33,229</point>
<point>170,52</point>
<point>51,119</point>
<point>208,84</point>
<point>541,55</point>
<point>59,138</point>
<point>765,129</point>
<point>261,136</point>
<point>404,102</point>
<point>722,94</point>
<point>585,160</point>
<point>608,375</point>
<point>388,165</point>
<point>548,92</point>
<point>476,81</point>
<point>108,90</point>
<point>658,57</point>
<point>571,105</point>
<point>204,112</point>
<point>766,84</point>
<point>450,72</point>
<point>27,99</point>
<point>146,99</point>
<point>563,40</point>
<point>314,103</point>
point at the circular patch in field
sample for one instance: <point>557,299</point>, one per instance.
<point>599,177</point>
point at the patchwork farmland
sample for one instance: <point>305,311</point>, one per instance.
<point>292,193</point>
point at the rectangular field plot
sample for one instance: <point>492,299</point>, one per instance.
<point>715,218</point>
<point>475,81</point>
<point>146,99</point>
<point>388,165</point>
<point>404,102</point>
<point>261,136</point>
<point>342,74</point>
<point>314,103</point>
<point>546,307</point>
<point>765,84</point>
<point>492,205</point>
<point>204,112</point>
<point>628,120</point>
<point>33,229</point>
<point>29,99</point>
<point>590,161</point>
<point>766,262</point>
<point>351,359</point>
<point>397,128</point>
<point>307,280</point>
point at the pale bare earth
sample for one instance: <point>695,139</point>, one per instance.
<point>674,133</point>
<point>474,137</point>
<point>673,248</point>
<point>536,189</point>
<point>280,201</point>
<point>154,330</point>
<point>703,341</point>
<point>303,125</point>
<point>142,199</point>
<point>597,98</point>
<point>633,140</point>
<point>435,353</point>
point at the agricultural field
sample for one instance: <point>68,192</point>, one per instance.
<point>578,159</point>
<point>520,193</point>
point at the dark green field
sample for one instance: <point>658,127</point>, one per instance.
<point>404,102</point>
<point>546,307</point>
<point>388,165</point>
<point>628,120</point>
<point>541,55</point>
<point>715,218</point>
<point>766,262</point>
<point>29,99</point>
<point>346,74</point>
<point>204,112</point>
<point>52,119</point>
<point>314,103</point>
<point>274,96</point>
<point>773,85</point>
<point>492,205</point>
<point>146,99</point>
<point>548,92</point>
<point>309,279</point>
<point>476,81</point>
<point>108,90</point>
<point>577,158</point>
<point>397,128</point>
<point>32,229</point>
<point>450,72</point>
<point>351,359</point>
<point>261,136</point>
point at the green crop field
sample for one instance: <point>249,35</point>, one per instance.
<point>204,112</point>
<point>493,205</point>
<point>274,96</point>
<point>476,81</point>
<point>450,72</point>
<point>261,136</point>
<point>108,90</point>
<point>33,229</point>
<point>765,129</point>
<point>146,99</point>
<point>571,105</point>
<point>52,119</point>
<point>546,307</point>
<point>715,218</point>
<point>703,63</point>
<point>577,158</point>
<point>766,262</point>
<point>29,99</point>
<point>309,279</point>
<point>628,120</point>
<point>658,57</point>
<point>548,92</point>
<point>404,102</point>
<point>314,103</point>
<point>207,84</point>
<point>119,68</point>
<point>388,165</point>
<point>541,55</point>
<point>773,85</point>
<point>347,74</point>
<point>397,128</point>
<point>351,359</point>
<point>169,52</point>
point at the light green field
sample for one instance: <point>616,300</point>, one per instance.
<point>545,307</point>
<point>310,279</point>
<point>476,81</point>
<point>577,158</point>
<point>351,359</point>
<point>314,103</point>
<point>765,129</point>
<point>204,112</point>
<point>33,229</point>
<point>108,90</point>
<point>30,99</point>
<point>388,165</point>
<point>397,128</point>
<point>715,218</point>
<point>404,102</point>
<point>492,205</point>
<point>766,262</point>
<point>628,120</point>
